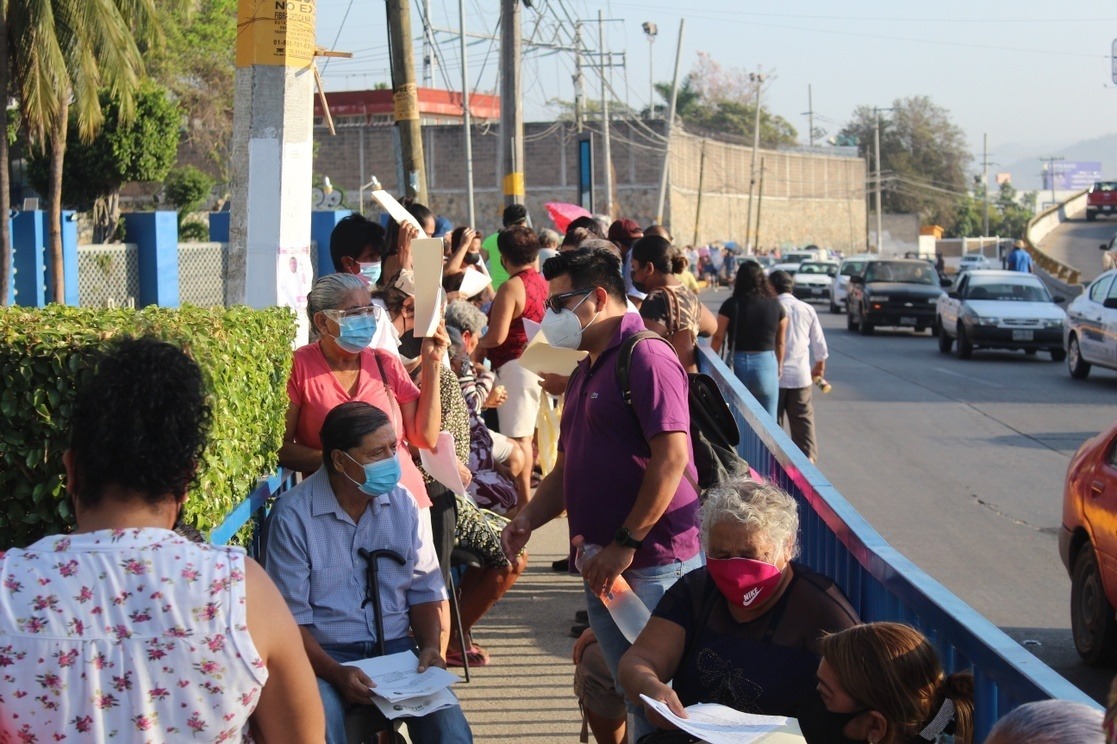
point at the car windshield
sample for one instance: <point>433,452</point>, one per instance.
<point>1007,290</point>
<point>899,271</point>
<point>1105,186</point>
<point>851,268</point>
<point>972,259</point>
<point>808,267</point>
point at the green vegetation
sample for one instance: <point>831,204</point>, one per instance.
<point>245,356</point>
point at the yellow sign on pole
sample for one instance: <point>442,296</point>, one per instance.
<point>275,32</point>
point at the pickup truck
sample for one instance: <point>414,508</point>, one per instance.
<point>1101,199</point>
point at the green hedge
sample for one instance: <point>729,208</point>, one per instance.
<point>245,355</point>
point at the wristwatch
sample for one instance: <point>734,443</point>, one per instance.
<point>625,539</point>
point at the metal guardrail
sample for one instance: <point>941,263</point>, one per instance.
<point>878,580</point>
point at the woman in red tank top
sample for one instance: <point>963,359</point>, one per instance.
<point>522,296</point>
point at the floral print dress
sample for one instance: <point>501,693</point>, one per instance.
<point>125,635</point>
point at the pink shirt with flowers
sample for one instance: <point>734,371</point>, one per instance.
<point>125,635</point>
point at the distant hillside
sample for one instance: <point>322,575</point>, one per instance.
<point>1026,168</point>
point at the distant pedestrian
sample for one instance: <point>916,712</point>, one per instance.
<point>754,323</point>
<point>1018,259</point>
<point>803,343</point>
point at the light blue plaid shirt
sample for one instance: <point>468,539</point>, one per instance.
<point>312,557</point>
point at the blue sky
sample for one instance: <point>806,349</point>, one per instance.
<point>1030,74</point>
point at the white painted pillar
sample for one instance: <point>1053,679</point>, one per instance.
<point>272,153</point>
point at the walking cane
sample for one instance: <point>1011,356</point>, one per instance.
<point>372,587</point>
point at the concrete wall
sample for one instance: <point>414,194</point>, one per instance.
<point>808,197</point>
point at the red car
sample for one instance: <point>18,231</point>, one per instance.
<point>1088,546</point>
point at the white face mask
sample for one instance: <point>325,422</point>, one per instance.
<point>563,329</point>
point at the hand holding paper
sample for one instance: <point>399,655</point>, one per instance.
<point>540,357</point>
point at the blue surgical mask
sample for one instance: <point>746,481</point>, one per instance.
<point>355,333</point>
<point>381,477</point>
<point>371,271</point>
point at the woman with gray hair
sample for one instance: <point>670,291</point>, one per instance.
<point>1050,722</point>
<point>743,630</point>
<point>338,366</point>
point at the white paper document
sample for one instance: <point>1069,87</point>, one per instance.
<point>426,257</point>
<point>402,691</point>
<point>442,464</point>
<point>396,210</point>
<point>540,357</point>
<point>719,724</point>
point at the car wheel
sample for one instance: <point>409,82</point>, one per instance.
<point>1057,355</point>
<point>834,307</point>
<point>1092,620</point>
<point>851,324</point>
<point>936,327</point>
<point>864,327</point>
<point>965,346</point>
<point>945,341</point>
<point>1079,367</point>
<point>1091,216</point>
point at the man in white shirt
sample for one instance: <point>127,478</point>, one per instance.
<point>804,342</point>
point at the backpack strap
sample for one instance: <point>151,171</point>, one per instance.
<point>624,371</point>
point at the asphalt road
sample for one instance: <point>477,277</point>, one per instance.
<point>960,465</point>
<point>1076,242</point>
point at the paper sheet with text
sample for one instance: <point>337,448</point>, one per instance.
<point>719,724</point>
<point>396,679</point>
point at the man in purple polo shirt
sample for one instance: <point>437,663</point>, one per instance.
<point>620,468</point>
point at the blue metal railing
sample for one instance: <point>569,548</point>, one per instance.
<point>255,509</point>
<point>878,580</point>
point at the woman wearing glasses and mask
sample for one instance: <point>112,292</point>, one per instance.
<point>338,366</point>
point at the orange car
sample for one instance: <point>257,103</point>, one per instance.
<point>1088,546</point>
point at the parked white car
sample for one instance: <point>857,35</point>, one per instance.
<point>814,282</point>
<point>1000,310</point>
<point>850,266</point>
<point>972,261</point>
<point>1090,331</point>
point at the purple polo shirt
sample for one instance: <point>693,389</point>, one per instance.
<point>607,451</point>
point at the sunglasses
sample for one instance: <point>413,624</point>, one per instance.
<point>554,303</point>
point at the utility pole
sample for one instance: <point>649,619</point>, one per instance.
<point>985,187</point>
<point>579,82</point>
<point>810,116</point>
<point>605,123</point>
<point>667,129</point>
<point>651,30</point>
<point>467,117</point>
<point>876,148</point>
<point>701,186</point>
<point>759,202</point>
<point>1049,166</point>
<point>511,103</point>
<point>428,46</point>
<point>405,99</point>
<point>757,78</point>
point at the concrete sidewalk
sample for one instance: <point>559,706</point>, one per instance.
<point>526,693</point>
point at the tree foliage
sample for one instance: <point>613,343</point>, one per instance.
<point>1008,214</point>
<point>141,148</point>
<point>923,157</point>
<point>723,100</point>
<point>197,65</point>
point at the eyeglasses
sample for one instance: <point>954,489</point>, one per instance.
<point>555,302</point>
<point>369,311</point>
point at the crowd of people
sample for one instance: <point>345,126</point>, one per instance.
<point>125,628</point>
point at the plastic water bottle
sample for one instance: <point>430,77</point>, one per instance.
<point>627,610</point>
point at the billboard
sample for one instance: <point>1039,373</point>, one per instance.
<point>1071,175</point>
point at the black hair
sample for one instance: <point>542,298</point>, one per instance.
<point>456,238</point>
<point>751,282</point>
<point>659,252</point>
<point>575,237</point>
<point>352,236</point>
<point>346,425</point>
<point>781,281</point>
<point>140,422</point>
<point>453,282</point>
<point>518,244</point>
<point>589,267</point>
<point>587,223</point>
<point>419,211</point>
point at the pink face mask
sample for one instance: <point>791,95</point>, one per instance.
<point>744,582</point>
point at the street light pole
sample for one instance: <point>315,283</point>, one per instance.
<point>650,30</point>
<point>876,148</point>
<point>757,78</point>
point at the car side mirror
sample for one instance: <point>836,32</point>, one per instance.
<point>1058,299</point>
<point>1110,302</point>
<point>945,283</point>
<point>954,295</point>
<point>857,279</point>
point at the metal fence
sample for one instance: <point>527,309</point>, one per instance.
<point>837,541</point>
<point>203,271</point>
<point>878,580</point>
<point>108,275</point>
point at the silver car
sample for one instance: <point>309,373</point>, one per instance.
<point>850,266</point>
<point>1090,330</point>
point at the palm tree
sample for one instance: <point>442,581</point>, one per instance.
<point>63,53</point>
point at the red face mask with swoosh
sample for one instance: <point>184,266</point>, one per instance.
<point>744,582</point>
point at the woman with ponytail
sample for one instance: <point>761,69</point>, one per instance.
<point>882,683</point>
<point>670,309</point>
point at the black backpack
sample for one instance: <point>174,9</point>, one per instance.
<point>713,430</point>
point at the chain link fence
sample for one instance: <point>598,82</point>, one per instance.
<point>108,275</point>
